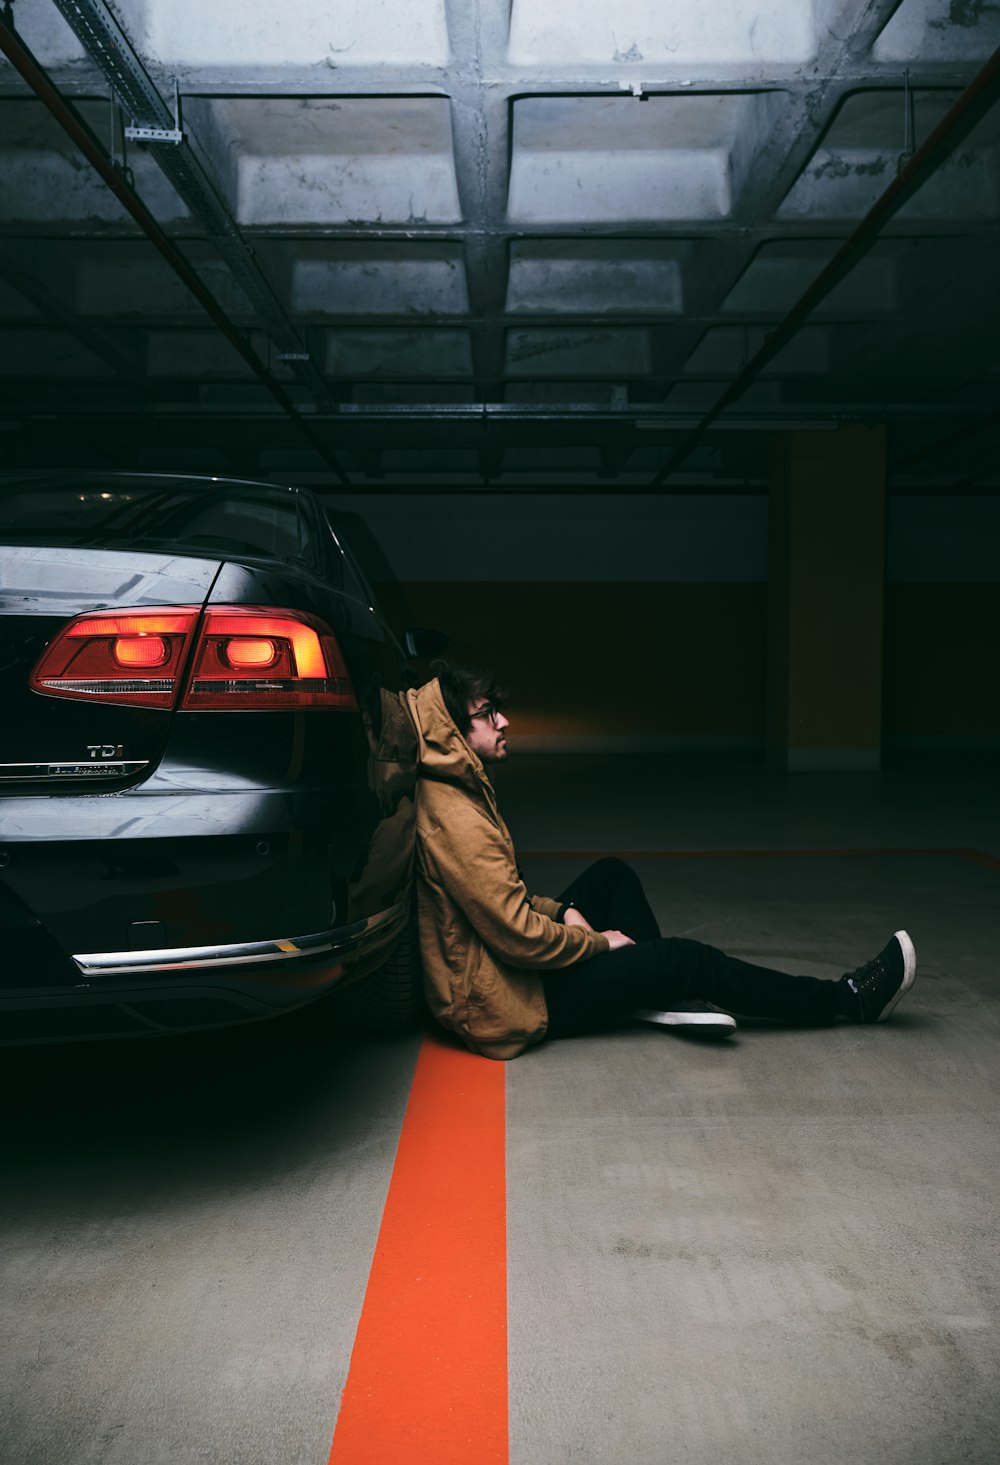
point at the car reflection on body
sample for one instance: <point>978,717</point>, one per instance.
<point>206,763</point>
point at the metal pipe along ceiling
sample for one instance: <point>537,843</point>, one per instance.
<point>977,99</point>
<point>105,41</point>
<point>21,58</point>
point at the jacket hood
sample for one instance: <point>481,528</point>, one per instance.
<point>392,767</point>
<point>442,752</point>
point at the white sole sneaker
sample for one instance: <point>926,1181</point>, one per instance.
<point>909,973</point>
<point>880,984</point>
<point>700,1019</point>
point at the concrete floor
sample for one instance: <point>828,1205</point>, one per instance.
<point>776,1249</point>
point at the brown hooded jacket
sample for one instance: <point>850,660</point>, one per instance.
<point>484,941</point>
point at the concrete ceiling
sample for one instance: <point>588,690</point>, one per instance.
<point>518,243</point>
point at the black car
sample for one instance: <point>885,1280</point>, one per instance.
<point>206,762</point>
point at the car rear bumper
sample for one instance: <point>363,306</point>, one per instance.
<point>183,989</point>
<point>280,950</point>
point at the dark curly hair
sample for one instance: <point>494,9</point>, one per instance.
<point>461,685</point>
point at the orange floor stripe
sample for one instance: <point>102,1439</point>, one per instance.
<point>428,1378</point>
<point>746,854</point>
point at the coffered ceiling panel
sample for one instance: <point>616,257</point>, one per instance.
<point>523,243</point>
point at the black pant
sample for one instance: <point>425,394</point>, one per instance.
<point>661,970</point>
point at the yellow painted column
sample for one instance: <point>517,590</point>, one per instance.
<point>826,592</point>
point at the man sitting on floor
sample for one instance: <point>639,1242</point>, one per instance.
<point>504,969</point>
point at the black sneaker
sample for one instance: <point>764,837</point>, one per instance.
<point>880,983</point>
<point>696,1017</point>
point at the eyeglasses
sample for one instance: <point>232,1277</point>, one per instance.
<point>489,711</point>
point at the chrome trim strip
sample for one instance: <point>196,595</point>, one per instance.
<point>67,768</point>
<point>242,953</point>
<point>108,687</point>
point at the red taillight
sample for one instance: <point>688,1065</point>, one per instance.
<point>243,652</point>
<point>136,658</point>
<point>144,650</point>
<point>246,658</point>
<point>256,657</point>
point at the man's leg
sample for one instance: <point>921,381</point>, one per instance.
<point>595,994</point>
<point>610,894</point>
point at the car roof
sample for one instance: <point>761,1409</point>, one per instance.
<point>119,478</point>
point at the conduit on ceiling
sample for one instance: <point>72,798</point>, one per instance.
<point>77,130</point>
<point>977,99</point>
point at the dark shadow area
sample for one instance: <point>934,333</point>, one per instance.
<point>103,1125</point>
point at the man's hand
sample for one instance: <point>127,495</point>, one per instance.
<point>617,939</point>
<point>573,917</point>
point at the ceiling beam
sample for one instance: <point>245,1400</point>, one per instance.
<point>977,99</point>
<point>53,312</point>
<point>106,43</point>
<point>480,121</point>
<point>77,130</point>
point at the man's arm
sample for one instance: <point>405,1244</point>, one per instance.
<point>568,915</point>
<point>543,904</point>
<point>573,917</point>
<point>474,863</point>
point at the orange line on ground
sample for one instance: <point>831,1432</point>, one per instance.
<point>427,1383</point>
<point>976,856</point>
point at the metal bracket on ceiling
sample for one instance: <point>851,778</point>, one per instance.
<point>908,128</point>
<point>154,134</point>
<point>113,127</point>
<point>174,134</point>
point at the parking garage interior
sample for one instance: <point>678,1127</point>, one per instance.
<point>649,352</point>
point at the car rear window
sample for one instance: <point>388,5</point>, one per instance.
<point>144,516</point>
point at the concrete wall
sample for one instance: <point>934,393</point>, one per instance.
<point>643,618</point>
<point>943,624</point>
<point>826,599</point>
